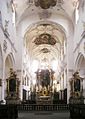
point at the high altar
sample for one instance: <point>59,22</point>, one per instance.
<point>44,93</point>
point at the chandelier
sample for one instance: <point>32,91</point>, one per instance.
<point>45,4</point>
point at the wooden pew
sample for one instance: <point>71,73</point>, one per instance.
<point>77,111</point>
<point>8,112</point>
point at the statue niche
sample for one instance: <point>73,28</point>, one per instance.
<point>12,88</point>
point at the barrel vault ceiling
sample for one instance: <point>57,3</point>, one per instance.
<point>44,41</point>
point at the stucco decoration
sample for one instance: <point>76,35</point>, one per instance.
<point>45,4</point>
<point>45,50</point>
<point>45,38</point>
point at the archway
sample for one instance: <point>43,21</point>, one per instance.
<point>80,64</point>
<point>1,70</point>
<point>9,63</point>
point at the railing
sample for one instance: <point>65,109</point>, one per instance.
<point>34,107</point>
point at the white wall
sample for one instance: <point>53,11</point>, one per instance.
<point>6,15</point>
<point>75,42</point>
<point>79,41</point>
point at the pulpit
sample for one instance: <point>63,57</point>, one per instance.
<point>13,84</point>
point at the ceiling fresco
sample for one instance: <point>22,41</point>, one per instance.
<point>45,38</point>
<point>45,50</point>
<point>45,4</point>
<point>44,41</point>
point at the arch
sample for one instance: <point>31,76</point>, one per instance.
<point>34,25</point>
<point>54,25</point>
<point>55,17</point>
<point>12,58</point>
<point>80,64</point>
<point>9,63</point>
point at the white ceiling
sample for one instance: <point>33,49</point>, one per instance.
<point>25,9</point>
<point>36,50</point>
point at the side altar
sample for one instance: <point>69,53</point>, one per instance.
<point>76,89</point>
<point>13,84</point>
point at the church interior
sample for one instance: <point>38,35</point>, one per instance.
<point>42,52</point>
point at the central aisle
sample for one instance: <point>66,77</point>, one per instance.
<point>44,115</point>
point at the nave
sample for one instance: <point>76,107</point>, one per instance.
<point>42,58</point>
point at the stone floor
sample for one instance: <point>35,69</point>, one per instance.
<point>44,115</point>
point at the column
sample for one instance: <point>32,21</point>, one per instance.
<point>3,79</point>
<point>70,63</point>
